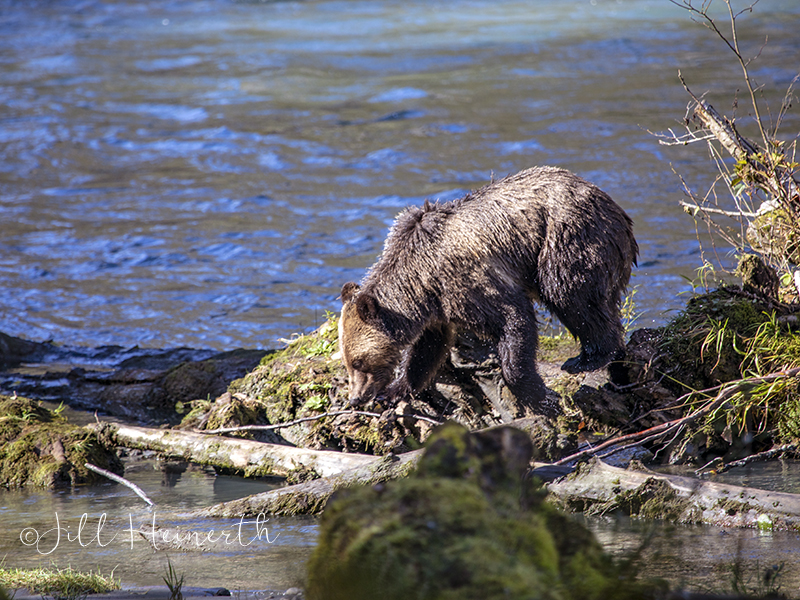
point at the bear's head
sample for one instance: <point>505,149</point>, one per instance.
<point>369,354</point>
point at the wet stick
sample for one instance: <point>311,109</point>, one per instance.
<point>112,476</point>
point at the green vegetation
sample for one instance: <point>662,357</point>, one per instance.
<point>303,379</point>
<point>61,584</point>
<point>174,582</point>
<point>746,346</point>
<point>38,447</point>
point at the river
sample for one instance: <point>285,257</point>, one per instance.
<point>208,173</point>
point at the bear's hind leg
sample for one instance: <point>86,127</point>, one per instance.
<point>601,336</point>
<point>422,360</point>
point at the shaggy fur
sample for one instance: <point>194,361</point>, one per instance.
<point>478,263</point>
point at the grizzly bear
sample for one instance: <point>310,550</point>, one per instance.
<point>478,263</point>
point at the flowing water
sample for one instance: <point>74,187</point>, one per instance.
<point>208,173</point>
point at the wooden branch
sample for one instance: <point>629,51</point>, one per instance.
<point>311,497</point>
<point>246,456</point>
<point>693,209</point>
<point>716,466</point>
<point>599,488</point>
<point>722,129</point>
<point>780,182</point>
<point>114,477</point>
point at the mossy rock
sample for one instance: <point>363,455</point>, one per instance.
<point>732,335</point>
<point>703,345</point>
<point>198,380</point>
<point>39,448</point>
<point>467,524</point>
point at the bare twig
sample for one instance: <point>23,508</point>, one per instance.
<point>114,477</point>
<point>305,420</point>
<point>693,209</point>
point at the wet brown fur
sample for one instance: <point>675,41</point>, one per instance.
<point>478,263</point>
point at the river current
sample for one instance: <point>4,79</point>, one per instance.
<point>209,173</point>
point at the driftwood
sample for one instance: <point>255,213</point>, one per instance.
<point>237,455</point>
<point>310,498</point>
<point>595,487</point>
<point>598,488</point>
<point>718,466</point>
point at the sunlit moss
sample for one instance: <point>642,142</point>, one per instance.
<point>38,447</point>
<point>728,337</point>
<point>303,379</point>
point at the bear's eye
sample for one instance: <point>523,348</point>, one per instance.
<point>357,364</point>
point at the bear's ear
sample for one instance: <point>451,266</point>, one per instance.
<point>367,307</point>
<point>349,290</point>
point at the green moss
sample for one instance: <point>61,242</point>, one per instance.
<point>565,385</point>
<point>233,414</point>
<point>303,379</point>
<point>656,499</point>
<point>193,412</point>
<point>466,525</point>
<point>38,447</point>
<point>703,345</point>
<point>734,337</point>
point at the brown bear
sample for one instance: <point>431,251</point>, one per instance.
<point>478,263</point>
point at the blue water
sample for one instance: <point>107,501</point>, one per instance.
<point>210,173</point>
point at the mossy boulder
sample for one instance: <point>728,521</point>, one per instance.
<point>197,381</point>
<point>733,335</point>
<point>704,345</point>
<point>39,448</point>
<point>468,524</point>
<point>304,379</point>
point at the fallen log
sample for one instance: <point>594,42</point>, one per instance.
<point>253,459</point>
<point>597,488</point>
<point>311,497</point>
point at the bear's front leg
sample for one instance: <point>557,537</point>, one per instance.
<point>421,361</point>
